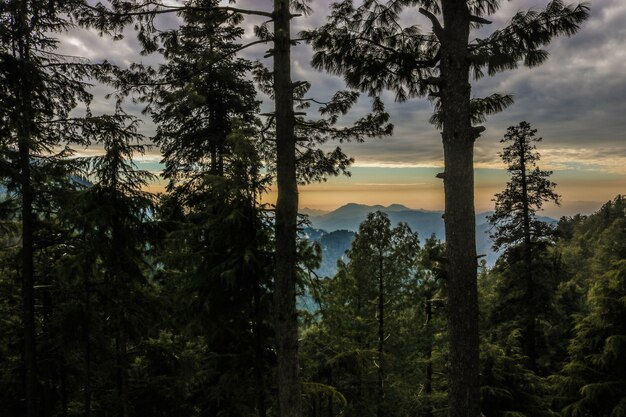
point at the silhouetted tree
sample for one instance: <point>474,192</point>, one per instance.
<point>39,87</point>
<point>517,226</point>
<point>374,52</point>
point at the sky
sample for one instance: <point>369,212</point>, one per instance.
<point>576,100</point>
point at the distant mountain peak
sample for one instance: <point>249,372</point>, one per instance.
<point>312,212</point>
<point>397,207</point>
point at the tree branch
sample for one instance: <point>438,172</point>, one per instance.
<point>478,19</point>
<point>437,28</point>
<point>173,9</point>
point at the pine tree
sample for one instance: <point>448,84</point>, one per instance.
<point>529,187</point>
<point>523,236</point>
<point>218,254</point>
<point>430,288</point>
<point>199,95</point>
<point>374,52</point>
<point>207,129</point>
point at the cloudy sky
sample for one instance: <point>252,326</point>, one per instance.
<point>577,101</point>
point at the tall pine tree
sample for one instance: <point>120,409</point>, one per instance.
<point>371,48</point>
<point>522,234</point>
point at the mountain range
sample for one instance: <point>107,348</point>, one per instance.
<point>335,230</point>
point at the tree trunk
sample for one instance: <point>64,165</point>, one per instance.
<point>122,372</point>
<point>458,143</point>
<point>380,409</point>
<point>529,336</point>
<point>290,403</point>
<point>24,118</point>
<point>428,385</point>
<point>28,280</point>
<point>87,341</point>
<point>258,349</point>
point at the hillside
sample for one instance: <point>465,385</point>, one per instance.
<point>335,230</point>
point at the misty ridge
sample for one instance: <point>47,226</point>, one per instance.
<point>335,229</point>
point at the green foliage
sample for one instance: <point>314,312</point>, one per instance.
<point>149,307</point>
<point>527,274</point>
<point>526,191</point>
<point>343,349</point>
<point>593,381</point>
<point>371,47</point>
<point>198,94</point>
<point>508,388</point>
<point>511,307</point>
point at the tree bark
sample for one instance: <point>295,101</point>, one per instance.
<point>286,319</point>
<point>458,143</point>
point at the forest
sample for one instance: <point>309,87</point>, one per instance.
<point>204,300</point>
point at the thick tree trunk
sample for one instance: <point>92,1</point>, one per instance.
<point>458,143</point>
<point>289,390</point>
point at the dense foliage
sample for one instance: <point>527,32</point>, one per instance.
<point>118,302</point>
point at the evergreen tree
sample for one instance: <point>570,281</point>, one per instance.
<point>430,289</point>
<point>207,129</point>
<point>523,236</point>
<point>39,89</point>
<point>529,187</point>
<point>373,51</point>
<point>507,386</point>
<point>286,158</point>
<point>201,93</point>
<point>111,218</point>
<point>366,320</point>
<point>218,254</point>
<point>592,249</point>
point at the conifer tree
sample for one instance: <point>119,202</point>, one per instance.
<point>363,317</point>
<point>112,218</point>
<point>529,187</point>
<point>199,95</point>
<point>431,291</point>
<point>373,51</point>
<point>207,129</point>
<point>520,232</point>
<point>39,89</point>
<point>286,141</point>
